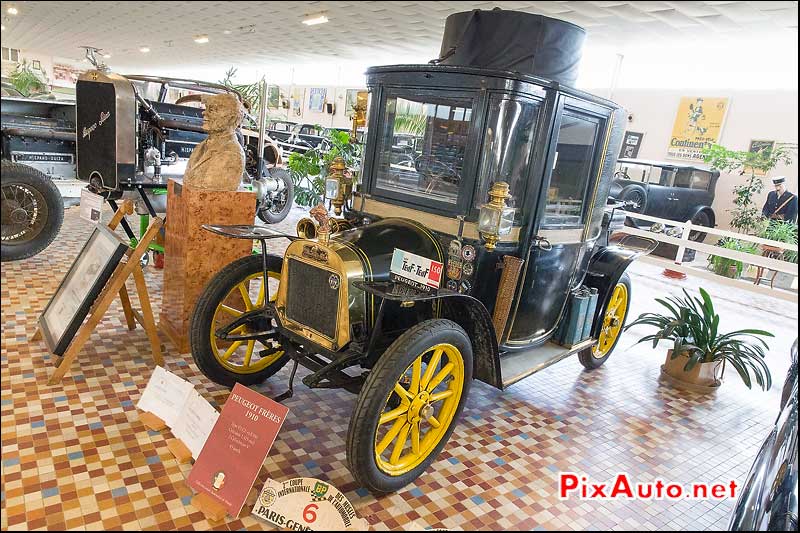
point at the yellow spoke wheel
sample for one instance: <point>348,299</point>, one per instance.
<point>235,290</point>
<point>428,394</point>
<point>403,418</point>
<point>613,321</point>
<point>238,356</point>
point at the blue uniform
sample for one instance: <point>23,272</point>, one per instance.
<point>783,208</point>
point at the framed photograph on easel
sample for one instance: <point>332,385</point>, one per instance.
<point>79,289</point>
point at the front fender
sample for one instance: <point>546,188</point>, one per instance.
<point>604,272</point>
<point>466,311</point>
<point>711,216</point>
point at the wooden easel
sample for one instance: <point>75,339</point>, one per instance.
<point>116,285</point>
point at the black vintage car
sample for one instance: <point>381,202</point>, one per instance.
<point>674,191</point>
<point>768,500</point>
<point>492,270</point>
<point>148,138</point>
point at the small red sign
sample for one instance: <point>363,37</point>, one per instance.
<point>234,452</point>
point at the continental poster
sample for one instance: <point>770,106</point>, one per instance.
<point>698,124</point>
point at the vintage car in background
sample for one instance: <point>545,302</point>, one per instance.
<point>674,191</point>
<point>492,270</point>
<point>38,147</point>
<point>768,498</point>
<point>280,130</point>
<point>152,138</point>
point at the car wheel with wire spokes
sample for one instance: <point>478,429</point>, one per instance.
<point>32,211</point>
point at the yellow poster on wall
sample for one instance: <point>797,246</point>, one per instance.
<point>698,124</point>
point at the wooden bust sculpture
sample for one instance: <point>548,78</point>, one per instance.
<point>217,163</point>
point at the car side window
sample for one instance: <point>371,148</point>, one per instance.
<point>571,175</point>
<point>701,180</point>
<point>683,178</point>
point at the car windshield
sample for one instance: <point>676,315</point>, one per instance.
<point>422,146</point>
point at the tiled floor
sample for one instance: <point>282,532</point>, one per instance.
<point>76,456</point>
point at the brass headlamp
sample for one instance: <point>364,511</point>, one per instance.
<point>495,218</point>
<point>338,185</point>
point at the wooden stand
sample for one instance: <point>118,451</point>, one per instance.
<point>211,509</point>
<point>116,285</point>
<point>152,422</point>
<point>193,255</point>
<point>181,452</point>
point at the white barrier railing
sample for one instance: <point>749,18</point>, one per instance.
<point>682,242</point>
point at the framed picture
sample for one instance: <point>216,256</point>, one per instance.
<point>273,96</point>
<point>316,99</point>
<point>631,144</point>
<point>79,289</point>
<point>759,145</point>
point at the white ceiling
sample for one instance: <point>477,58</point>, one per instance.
<point>269,35</point>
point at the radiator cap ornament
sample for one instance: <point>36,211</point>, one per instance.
<point>334,281</point>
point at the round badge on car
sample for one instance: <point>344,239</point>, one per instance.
<point>468,252</point>
<point>333,281</point>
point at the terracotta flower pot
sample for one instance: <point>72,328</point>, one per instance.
<point>701,378</point>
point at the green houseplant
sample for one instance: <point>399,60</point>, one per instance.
<point>28,81</point>
<point>781,231</point>
<point>731,268</point>
<point>746,214</point>
<point>699,351</point>
<point>308,169</point>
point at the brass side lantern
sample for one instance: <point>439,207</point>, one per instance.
<point>338,186</point>
<point>496,218</point>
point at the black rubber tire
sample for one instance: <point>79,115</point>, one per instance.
<point>638,193</point>
<point>271,217</point>
<point>203,315</point>
<point>372,400</point>
<point>589,361</point>
<point>30,178</point>
<point>700,219</point>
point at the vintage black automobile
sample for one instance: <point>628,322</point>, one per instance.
<point>132,137</point>
<point>674,191</point>
<point>508,246</point>
<point>38,145</point>
<point>768,500</point>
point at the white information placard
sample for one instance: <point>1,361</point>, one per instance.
<point>196,421</point>
<point>165,396</point>
<point>414,270</point>
<point>91,206</point>
<point>307,504</point>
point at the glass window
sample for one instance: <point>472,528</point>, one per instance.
<point>310,130</point>
<point>570,177</point>
<point>701,180</point>
<point>422,146</point>
<point>507,146</point>
<point>683,178</point>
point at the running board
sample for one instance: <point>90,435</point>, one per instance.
<point>516,366</point>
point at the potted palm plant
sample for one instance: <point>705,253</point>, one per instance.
<point>699,351</point>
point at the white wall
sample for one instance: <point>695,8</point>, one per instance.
<point>752,114</point>
<point>335,95</point>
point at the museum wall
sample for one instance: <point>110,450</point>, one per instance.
<point>335,95</point>
<point>769,114</point>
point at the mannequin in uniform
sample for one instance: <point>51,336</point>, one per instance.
<point>781,205</point>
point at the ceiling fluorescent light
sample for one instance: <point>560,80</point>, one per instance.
<point>321,19</point>
<point>201,39</point>
<point>106,56</point>
<point>12,10</point>
<point>144,49</point>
